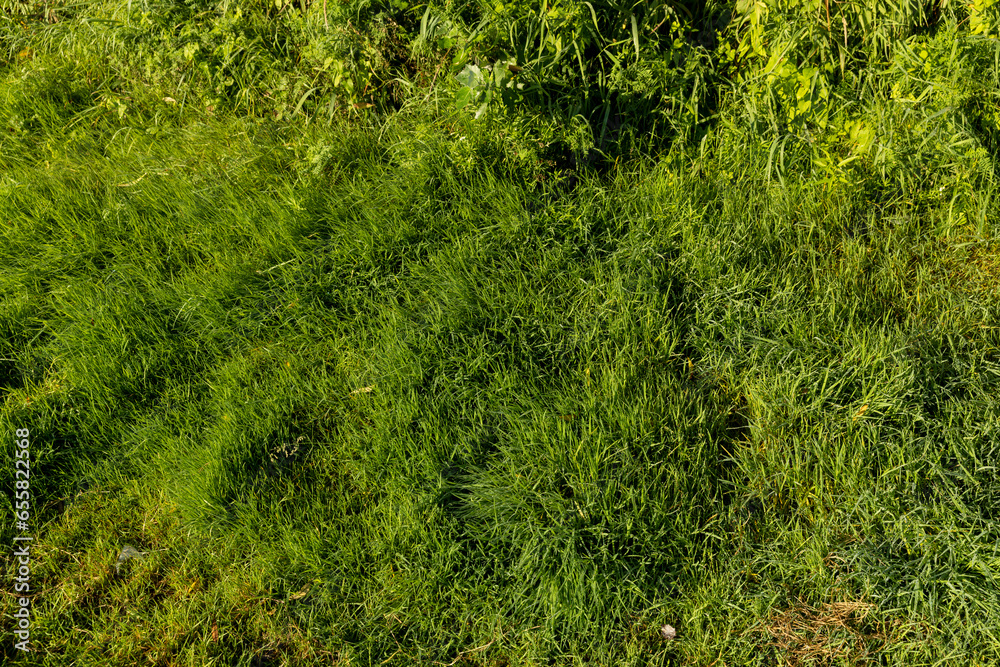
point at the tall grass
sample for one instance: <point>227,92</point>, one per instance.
<point>394,390</point>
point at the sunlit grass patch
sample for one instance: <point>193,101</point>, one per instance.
<point>184,602</point>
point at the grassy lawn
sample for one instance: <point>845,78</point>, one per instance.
<point>391,389</point>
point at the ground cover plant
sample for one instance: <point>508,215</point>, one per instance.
<point>502,333</point>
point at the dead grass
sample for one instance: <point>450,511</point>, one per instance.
<point>984,270</point>
<point>833,634</point>
<point>969,266</point>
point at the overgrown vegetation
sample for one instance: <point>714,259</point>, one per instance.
<point>503,333</point>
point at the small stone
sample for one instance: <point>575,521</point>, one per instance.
<point>668,632</point>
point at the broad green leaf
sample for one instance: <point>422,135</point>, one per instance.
<point>470,77</point>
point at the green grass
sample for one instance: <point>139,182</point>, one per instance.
<point>395,390</point>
